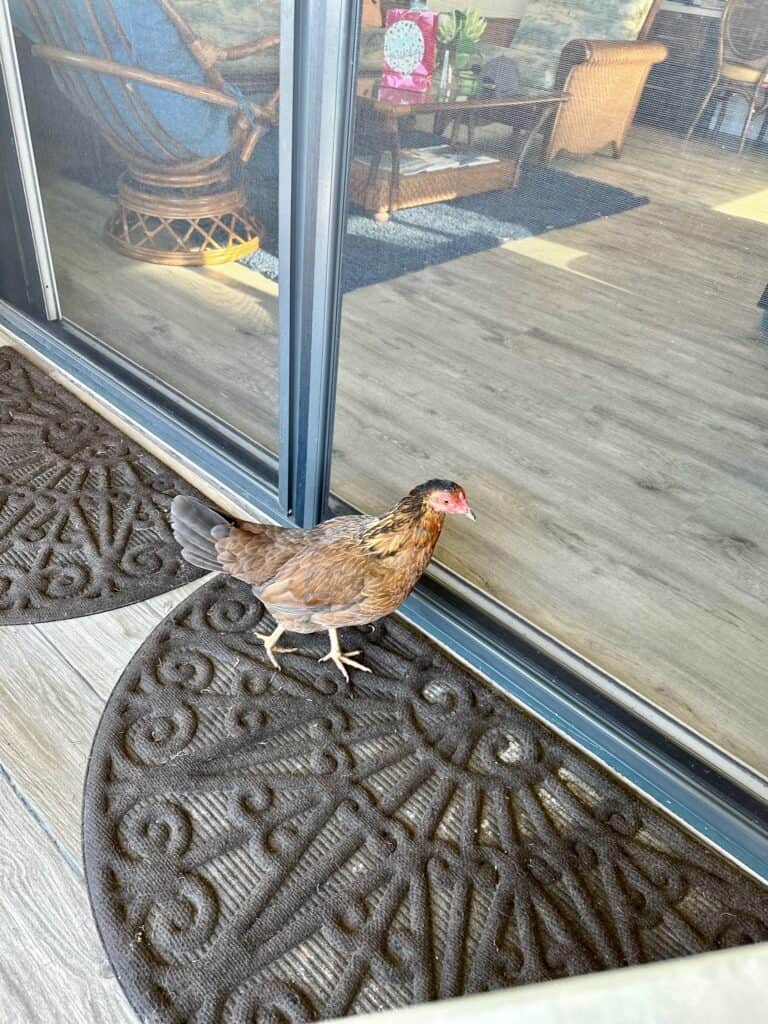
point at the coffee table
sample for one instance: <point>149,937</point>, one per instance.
<point>381,111</point>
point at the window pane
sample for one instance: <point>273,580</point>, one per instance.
<point>581,347</point>
<point>157,157</point>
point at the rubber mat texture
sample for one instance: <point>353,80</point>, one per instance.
<point>84,511</point>
<point>285,846</point>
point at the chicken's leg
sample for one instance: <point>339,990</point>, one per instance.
<point>270,639</point>
<point>339,659</point>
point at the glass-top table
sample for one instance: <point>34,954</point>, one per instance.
<point>392,177</point>
<point>399,101</point>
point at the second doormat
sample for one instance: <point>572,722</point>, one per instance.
<point>282,845</point>
<point>83,510</point>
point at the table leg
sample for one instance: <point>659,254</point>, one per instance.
<point>377,148</point>
<point>455,129</point>
<point>536,125</point>
<point>394,148</point>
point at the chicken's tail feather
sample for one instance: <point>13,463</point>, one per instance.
<point>196,527</point>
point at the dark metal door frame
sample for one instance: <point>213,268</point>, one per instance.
<point>318,57</point>
<point>317,70</point>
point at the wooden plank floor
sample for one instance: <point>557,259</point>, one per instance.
<point>54,681</point>
<point>601,391</point>
<point>211,332</point>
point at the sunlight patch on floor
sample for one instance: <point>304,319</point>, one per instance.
<point>237,272</point>
<point>555,254</point>
<point>752,207</point>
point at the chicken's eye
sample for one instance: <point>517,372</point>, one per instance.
<point>445,501</point>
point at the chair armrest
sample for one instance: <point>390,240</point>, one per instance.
<point>604,51</point>
<point>130,73</point>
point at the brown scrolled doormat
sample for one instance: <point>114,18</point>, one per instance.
<point>284,846</point>
<point>83,510</point>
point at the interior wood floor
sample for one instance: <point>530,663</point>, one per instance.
<point>600,391</point>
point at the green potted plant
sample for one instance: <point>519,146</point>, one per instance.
<point>459,32</point>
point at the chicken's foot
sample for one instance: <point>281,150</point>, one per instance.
<point>270,639</point>
<point>339,658</point>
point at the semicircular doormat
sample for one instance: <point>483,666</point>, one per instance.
<point>265,845</point>
<point>83,510</point>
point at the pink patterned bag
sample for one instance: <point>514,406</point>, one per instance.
<point>410,43</point>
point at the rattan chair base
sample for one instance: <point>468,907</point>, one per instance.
<point>182,227</point>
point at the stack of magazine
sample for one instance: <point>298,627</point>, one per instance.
<point>432,158</point>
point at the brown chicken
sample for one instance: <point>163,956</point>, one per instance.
<point>348,571</point>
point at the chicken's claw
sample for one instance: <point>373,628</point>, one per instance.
<point>270,639</point>
<point>341,659</point>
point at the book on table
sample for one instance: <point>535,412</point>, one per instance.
<point>431,158</point>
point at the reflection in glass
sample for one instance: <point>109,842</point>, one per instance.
<point>154,126</point>
<point>562,314</point>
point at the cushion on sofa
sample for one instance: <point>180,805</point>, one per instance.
<point>228,22</point>
<point>548,25</point>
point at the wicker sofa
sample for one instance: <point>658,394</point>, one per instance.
<point>593,49</point>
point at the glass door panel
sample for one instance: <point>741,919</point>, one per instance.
<point>561,313</point>
<point>154,126</point>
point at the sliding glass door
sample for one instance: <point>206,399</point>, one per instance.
<point>154,128</point>
<point>579,345</point>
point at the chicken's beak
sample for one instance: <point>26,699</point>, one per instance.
<point>470,515</point>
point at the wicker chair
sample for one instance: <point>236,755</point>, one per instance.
<point>604,80</point>
<point>742,67</point>
<point>154,91</point>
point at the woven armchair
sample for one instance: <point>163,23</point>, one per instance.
<point>604,81</point>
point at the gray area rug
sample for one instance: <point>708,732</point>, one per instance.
<point>426,236</point>
<point>83,510</point>
<point>283,846</point>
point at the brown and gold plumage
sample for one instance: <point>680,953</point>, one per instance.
<point>347,571</point>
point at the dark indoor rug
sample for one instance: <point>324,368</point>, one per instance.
<point>266,845</point>
<point>428,235</point>
<point>83,510</point>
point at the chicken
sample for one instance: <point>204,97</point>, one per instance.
<point>348,571</point>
